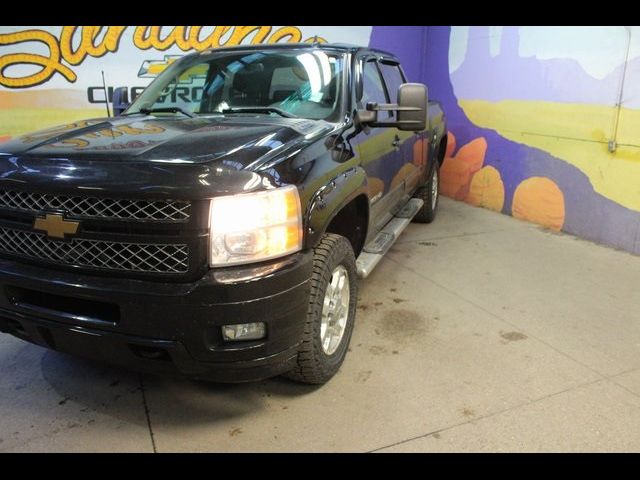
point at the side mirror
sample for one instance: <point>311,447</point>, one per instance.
<point>412,100</point>
<point>411,109</point>
<point>120,100</point>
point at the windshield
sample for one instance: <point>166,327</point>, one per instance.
<point>289,83</point>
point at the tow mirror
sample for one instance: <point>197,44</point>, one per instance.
<point>411,109</point>
<point>120,100</point>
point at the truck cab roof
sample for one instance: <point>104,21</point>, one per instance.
<point>343,47</point>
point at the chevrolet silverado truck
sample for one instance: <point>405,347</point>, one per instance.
<point>216,226</point>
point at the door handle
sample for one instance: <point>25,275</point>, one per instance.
<point>396,141</point>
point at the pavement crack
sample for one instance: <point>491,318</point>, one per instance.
<point>493,414</point>
<point>613,380</point>
<point>146,412</point>
<point>446,237</point>
<point>635,394</point>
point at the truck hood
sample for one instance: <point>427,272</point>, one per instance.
<point>148,156</point>
<point>245,141</point>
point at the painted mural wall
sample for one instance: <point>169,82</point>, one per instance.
<point>544,121</point>
<point>545,124</point>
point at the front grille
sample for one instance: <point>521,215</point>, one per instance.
<point>100,208</point>
<point>100,254</point>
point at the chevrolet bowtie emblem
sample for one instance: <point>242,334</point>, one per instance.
<point>55,225</point>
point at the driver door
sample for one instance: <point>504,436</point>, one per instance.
<point>379,149</point>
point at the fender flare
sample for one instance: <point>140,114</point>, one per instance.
<point>332,197</point>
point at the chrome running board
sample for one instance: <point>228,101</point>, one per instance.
<point>373,251</point>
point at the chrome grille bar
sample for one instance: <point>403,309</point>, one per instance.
<point>100,254</point>
<point>97,208</point>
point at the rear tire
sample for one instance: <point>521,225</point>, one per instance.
<point>331,312</point>
<point>430,194</point>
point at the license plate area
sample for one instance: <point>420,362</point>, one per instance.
<point>77,310</point>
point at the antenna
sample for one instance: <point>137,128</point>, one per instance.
<point>106,94</point>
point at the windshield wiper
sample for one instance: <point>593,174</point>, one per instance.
<point>148,111</point>
<point>279,111</point>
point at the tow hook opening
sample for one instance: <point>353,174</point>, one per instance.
<point>150,353</point>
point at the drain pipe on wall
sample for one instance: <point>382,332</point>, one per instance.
<point>613,143</point>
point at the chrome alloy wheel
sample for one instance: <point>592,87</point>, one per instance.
<point>335,310</point>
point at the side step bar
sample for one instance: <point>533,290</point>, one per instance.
<point>373,251</point>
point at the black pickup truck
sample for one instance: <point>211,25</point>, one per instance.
<point>216,226</point>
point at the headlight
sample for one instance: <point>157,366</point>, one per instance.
<point>255,226</point>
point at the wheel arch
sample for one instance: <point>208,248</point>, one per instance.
<point>352,222</point>
<point>442,149</point>
<point>342,207</point>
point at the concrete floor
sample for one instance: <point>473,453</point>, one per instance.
<point>476,333</point>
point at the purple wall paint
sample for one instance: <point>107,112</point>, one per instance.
<point>587,213</point>
<point>406,42</point>
<point>556,80</point>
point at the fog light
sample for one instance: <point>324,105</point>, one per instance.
<point>244,331</point>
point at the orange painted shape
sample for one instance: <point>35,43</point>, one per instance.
<point>457,170</point>
<point>454,178</point>
<point>4,138</point>
<point>473,153</point>
<point>419,152</point>
<point>376,186</point>
<point>539,200</point>
<point>405,172</point>
<point>451,144</point>
<point>486,189</point>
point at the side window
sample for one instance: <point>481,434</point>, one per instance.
<point>393,79</point>
<point>372,85</point>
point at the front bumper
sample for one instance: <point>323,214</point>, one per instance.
<point>163,327</point>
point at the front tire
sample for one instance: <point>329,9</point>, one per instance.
<point>331,312</point>
<point>430,194</point>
